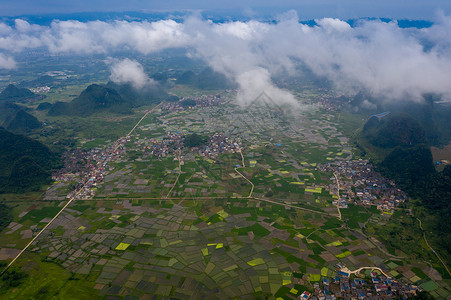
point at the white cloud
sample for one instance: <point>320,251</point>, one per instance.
<point>331,25</point>
<point>255,82</point>
<point>382,58</point>
<point>129,71</point>
<point>25,27</point>
<point>7,62</point>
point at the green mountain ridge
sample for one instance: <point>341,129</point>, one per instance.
<point>399,142</point>
<point>25,164</point>
<point>15,94</point>
<point>393,131</point>
<point>207,79</point>
<point>95,98</point>
<point>429,112</point>
<point>139,97</point>
<point>15,119</point>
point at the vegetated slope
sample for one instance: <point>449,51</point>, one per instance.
<point>188,77</point>
<point>138,97</point>
<point>413,171</point>
<point>188,103</point>
<point>44,106</point>
<point>15,94</point>
<point>44,80</point>
<point>95,98</point>
<point>430,112</point>
<point>393,131</point>
<point>409,163</point>
<point>409,167</point>
<point>15,119</point>
<point>5,216</point>
<point>195,140</point>
<point>25,164</point>
<point>207,79</point>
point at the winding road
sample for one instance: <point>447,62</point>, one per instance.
<point>250,182</point>
<point>239,173</point>
<point>429,246</point>
<point>345,269</point>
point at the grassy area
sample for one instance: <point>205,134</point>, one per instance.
<point>47,280</point>
<point>356,214</point>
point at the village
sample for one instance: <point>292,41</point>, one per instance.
<point>88,168</point>
<point>190,102</point>
<point>174,142</point>
<point>361,185</point>
<point>367,285</point>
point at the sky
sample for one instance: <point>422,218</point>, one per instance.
<point>306,9</point>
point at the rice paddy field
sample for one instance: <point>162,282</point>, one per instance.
<point>190,227</point>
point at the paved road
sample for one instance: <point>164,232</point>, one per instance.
<point>178,175</point>
<point>242,158</point>
<point>295,207</point>
<point>239,173</point>
<point>338,195</point>
<point>250,182</point>
<point>72,198</point>
<point>365,268</point>
<point>139,122</point>
<point>45,227</point>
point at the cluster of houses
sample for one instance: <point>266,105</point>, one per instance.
<point>88,167</point>
<point>329,103</point>
<point>76,164</point>
<point>41,89</point>
<point>161,147</point>
<point>218,144</point>
<point>362,185</point>
<point>199,101</point>
<point>209,100</point>
<point>173,142</point>
<point>347,286</point>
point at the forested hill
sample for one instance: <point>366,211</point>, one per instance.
<point>15,119</point>
<point>95,98</point>
<point>25,164</point>
<point>139,97</point>
<point>207,79</point>
<point>13,93</point>
<point>408,161</point>
<point>393,131</point>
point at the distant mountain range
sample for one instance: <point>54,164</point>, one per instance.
<point>95,98</point>
<point>207,79</point>
<point>113,98</point>
<point>152,94</point>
